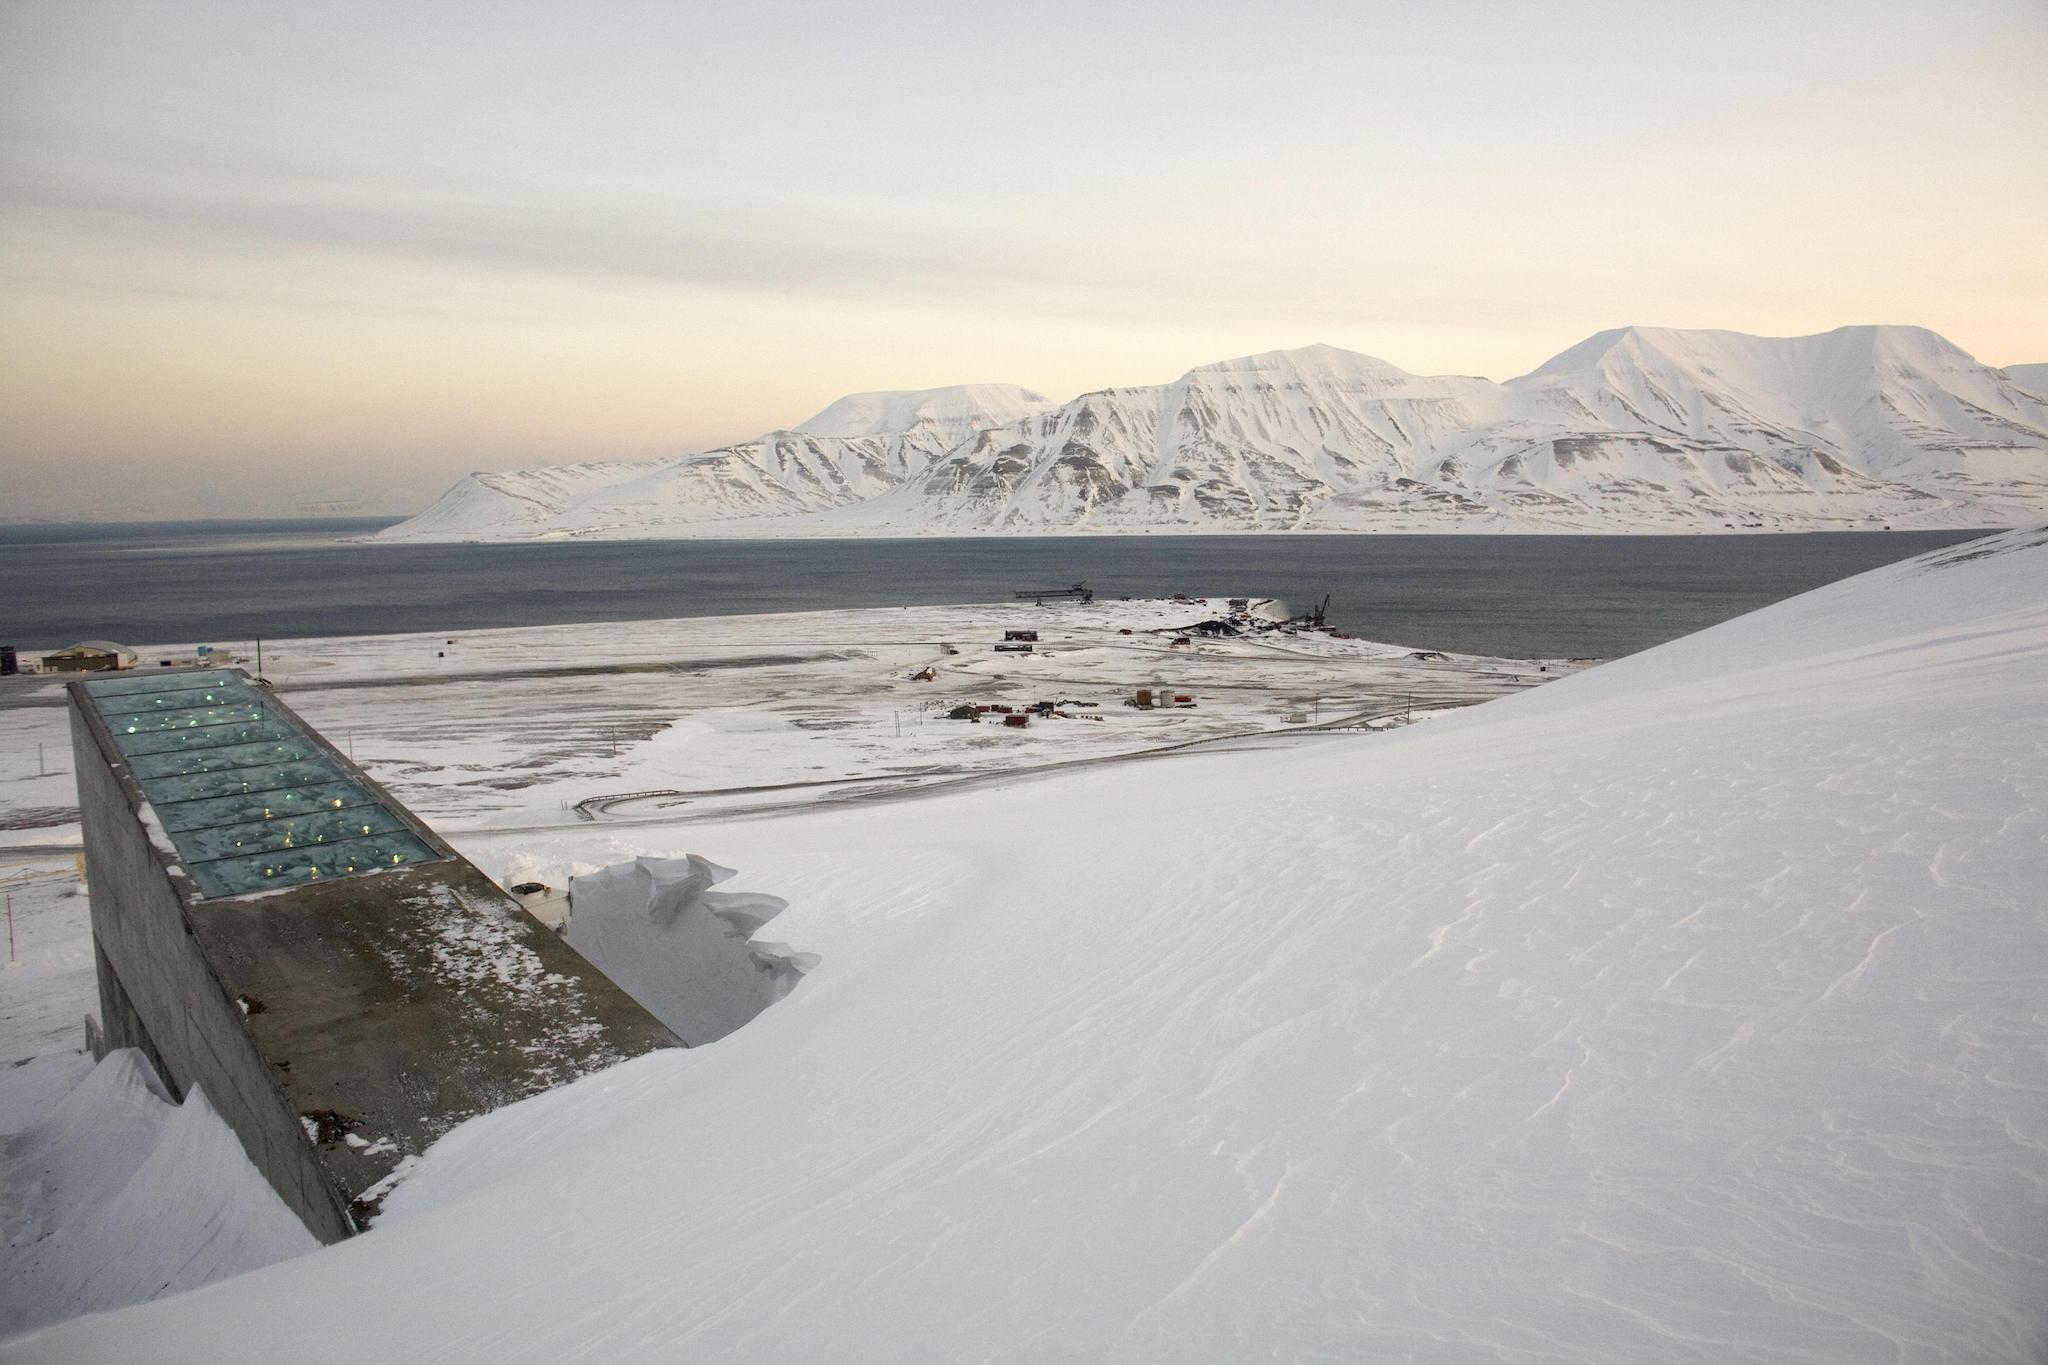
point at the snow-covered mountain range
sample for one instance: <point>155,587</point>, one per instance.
<point>1640,428</point>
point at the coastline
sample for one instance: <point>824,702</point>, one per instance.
<point>520,726</point>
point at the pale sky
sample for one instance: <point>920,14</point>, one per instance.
<point>271,258</point>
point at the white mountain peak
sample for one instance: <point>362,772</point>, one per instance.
<point>1851,350</point>
<point>1320,365</point>
<point>957,409</point>
<point>1633,429</point>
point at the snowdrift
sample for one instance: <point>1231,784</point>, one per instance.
<point>684,951</point>
<point>118,1195</point>
<point>1687,1009</point>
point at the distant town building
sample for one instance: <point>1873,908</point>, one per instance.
<point>91,656</point>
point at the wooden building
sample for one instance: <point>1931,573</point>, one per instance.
<point>91,656</point>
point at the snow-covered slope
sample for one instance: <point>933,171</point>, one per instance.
<point>1266,441</point>
<point>952,414</point>
<point>1688,1009</point>
<point>1877,418</point>
<point>860,446</point>
<point>2032,377</point>
<point>1635,429</point>
<point>518,504</point>
<point>118,1195</point>
<point>1641,428</point>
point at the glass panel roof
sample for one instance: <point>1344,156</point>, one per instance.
<point>160,682</point>
<point>249,799</point>
<point>261,871</point>
<point>270,805</point>
<point>183,762</point>
<point>168,741</point>
<point>293,831</point>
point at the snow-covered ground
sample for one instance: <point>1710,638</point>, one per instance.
<point>115,1195</point>
<point>1689,1009</point>
<point>715,715</point>
<point>109,1194</point>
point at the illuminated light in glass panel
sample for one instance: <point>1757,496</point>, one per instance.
<point>249,799</point>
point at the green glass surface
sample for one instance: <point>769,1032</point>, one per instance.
<point>137,722</point>
<point>289,832</point>
<point>163,791</point>
<point>223,757</point>
<point>249,798</point>
<point>272,805</point>
<point>160,682</point>
<point>207,737</point>
<point>298,866</point>
<point>185,699</point>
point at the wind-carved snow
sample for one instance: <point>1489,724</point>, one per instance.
<point>1687,1009</point>
<point>685,952</point>
<point>118,1195</point>
<point>1634,429</point>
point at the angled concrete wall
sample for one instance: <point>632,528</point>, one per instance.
<point>343,1024</point>
<point>159,993</point>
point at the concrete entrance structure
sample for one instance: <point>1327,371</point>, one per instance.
<point>273,927</point>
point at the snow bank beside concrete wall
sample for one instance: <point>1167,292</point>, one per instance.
<point>684,951</point>
<point>117,1196</point>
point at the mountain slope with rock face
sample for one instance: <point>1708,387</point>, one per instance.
<point>1637,429</point>
<point>861,446</point>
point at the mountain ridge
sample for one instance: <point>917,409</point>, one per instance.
<point>1631,429</point>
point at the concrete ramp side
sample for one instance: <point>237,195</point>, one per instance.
<point>273,927</point>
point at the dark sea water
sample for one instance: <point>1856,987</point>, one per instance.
<point>226,583</point>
